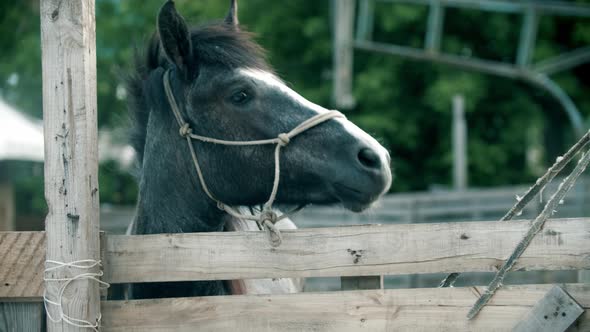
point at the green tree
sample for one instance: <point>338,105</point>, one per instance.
<point>406,104</point>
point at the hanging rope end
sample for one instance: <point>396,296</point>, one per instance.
<point>274,234</point>
<point>268,219</point>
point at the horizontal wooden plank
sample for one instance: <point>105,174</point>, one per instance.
<point>555,312</point>
<point>428,211</point>
<point>471,194</point>
<point>346,251</point>
<point>267,285</point>
<point>420,210</point>
<point>29,317</point>
<point>339,251</point>
<point>439,309</point>
<point>451,195</point>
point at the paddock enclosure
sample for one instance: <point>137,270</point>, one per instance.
<point>349,251</point>
<point>77,254</point>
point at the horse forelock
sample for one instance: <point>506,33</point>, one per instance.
<point>213,44</point>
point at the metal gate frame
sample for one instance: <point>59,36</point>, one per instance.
<point>537,74</point>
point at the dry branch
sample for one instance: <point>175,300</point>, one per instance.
<point>532,192</point>
<point>547,177</point>
<point>536,226</point>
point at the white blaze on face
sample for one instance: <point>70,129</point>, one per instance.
<point>271,80</point>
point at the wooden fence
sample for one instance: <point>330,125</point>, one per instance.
<point>369,250</point>
<point>475,204</point>
<point>69,91</point>
<point>482,204</point>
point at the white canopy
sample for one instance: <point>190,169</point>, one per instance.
<point>21,137</point>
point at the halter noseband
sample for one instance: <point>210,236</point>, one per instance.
<point>268,217</point>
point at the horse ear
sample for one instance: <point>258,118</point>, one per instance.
<point>232,15</point>
<point>175,39</point>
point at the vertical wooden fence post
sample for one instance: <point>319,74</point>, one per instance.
<point>71,157</point>
<point>365,20</point>
<point>459,144</point>
<point>435,27</point>
<point>7,211</point>
<point>343,53</point>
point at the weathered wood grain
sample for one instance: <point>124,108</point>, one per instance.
<point>267,285</point>
<point>439,309</point>
<point>343,27</point>
<point>26,317</point>
<point>380,250</point>
<point>22,257</point>
<point>346,251</point>
<point>7,213</point>
<point>68,41</point>
<point>555,312</point>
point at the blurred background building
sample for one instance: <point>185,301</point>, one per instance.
<point>21,139</point>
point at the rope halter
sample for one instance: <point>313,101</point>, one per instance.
<point>268,218</point>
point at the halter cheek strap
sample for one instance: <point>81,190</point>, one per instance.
<point>268,217</point>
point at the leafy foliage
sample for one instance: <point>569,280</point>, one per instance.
<point>406,104</point>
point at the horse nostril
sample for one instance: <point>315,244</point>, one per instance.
<point>369,158</point>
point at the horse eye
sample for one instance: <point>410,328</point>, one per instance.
<point>239,98</point>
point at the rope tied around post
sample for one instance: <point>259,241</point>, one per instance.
<point>84,264</point>
<point>268,218</point>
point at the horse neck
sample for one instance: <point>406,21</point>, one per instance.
<point>170,198</point>
<point>167,215</point>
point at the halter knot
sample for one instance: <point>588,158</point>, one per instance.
<point>268,219</point>
<point>268,215</point>
<point>185,130</point>
<point>284,139</point>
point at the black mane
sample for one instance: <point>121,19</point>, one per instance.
<point>214,44</point>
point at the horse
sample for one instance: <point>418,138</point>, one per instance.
<point>194,91</point>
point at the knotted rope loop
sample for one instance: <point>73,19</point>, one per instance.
<point>185,130</point>
<point>63,283</point>
<point>283,139</point>
<point>268,218</point>
<point>274,234</point>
